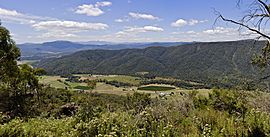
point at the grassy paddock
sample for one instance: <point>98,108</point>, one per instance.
<point>123,78</point>
<point>53,81</point>
<point>58,82</point>
<point>83,87</point>
<point>120,78</point>
<point>156,88</point>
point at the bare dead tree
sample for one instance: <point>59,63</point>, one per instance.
<point>256,20</point>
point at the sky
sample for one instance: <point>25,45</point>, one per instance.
<point>35,21</point>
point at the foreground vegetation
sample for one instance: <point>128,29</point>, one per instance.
<point>223,113</point>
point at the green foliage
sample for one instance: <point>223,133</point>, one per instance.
<point>231,101</point>
<point>173,117</point>
<point>177,83</point>
<point>128,80</point>
<point>83,87</point>
<point>9,54</point>
<point>92,84</point>
<point>156,88</point>
<point>116,83</point>
<point>18,83</point>
<point>262,60</point>
<point>138,101</point>
<point>40,72</point>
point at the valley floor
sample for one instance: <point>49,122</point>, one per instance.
<point>102,87</point>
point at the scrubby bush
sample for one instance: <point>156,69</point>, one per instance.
<point>223,113</point>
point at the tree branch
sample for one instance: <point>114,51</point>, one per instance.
<point>246,26</point>
<point>265,6</point>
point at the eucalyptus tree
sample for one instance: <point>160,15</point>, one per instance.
<point>18,83</point>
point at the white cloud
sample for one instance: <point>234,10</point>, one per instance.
<point>135,34</point>
<point>203,21</point>
<point>182,22</point>
<point>215,34</point>
<point>143,16</point>
<point>103,4</point>
<point>89,10</point>
<point>66,28</point>
<point>193,22</point>
<point>152,28</point>
<point>191,32</point>
<point>9,12</point>
<point>57,35</point>
<point>17,17</point>
<point>119,20</point>
<point>179,23</point>
<point>69,25</point>
<point>131,32</point>
<point>220,30</point>
<point>122,20</point>
<point>144,29</point>
<point>92,10</point>
<point>49,28</point>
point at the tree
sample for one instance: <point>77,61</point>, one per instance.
<point>91,84</point>
<point>256,20</point>
<point>18,83</point>
<point>9,54</point>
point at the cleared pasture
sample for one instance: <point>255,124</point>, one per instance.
<point>53,81</point>
<point>58,82</point>
<point>123,78</point>
<point>156,88</point>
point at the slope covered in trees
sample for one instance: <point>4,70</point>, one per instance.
<point>225,62</point>
<point>33,51</point>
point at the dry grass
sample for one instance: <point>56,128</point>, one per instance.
<point>52,81</point>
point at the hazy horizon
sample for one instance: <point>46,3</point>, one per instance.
<point>111,42</point>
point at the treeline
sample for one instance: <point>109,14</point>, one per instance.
<point>180,84</point>
<point>115,83</point>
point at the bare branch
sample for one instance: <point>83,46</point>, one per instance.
<point>265,6</point>
<point>246,26</point>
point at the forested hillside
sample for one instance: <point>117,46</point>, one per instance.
<point>34,51</point>
<point>227,62</point>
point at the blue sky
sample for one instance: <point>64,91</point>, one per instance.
<point>119,20</point>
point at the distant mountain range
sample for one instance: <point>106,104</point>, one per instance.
<point>32,51</point>
<point>208,62</point>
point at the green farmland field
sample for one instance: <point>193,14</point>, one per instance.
<point>156,88</point>
<point>83,87</point>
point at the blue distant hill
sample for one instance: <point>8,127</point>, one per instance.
<point>31,51</point>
